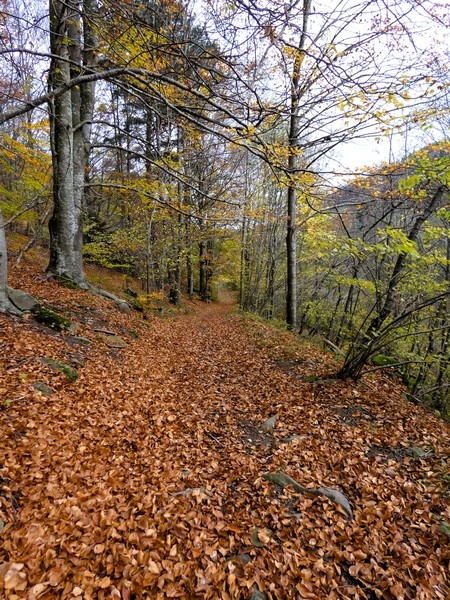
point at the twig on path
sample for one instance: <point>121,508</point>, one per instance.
<point>210,435</point>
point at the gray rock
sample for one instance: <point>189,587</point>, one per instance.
<point>43,388</point>
<point>77,359</point>
<point>418,452</point>
<point>21,300</point>
<point>291,438</point>
<point>283,480</point>
<point>74,327</point>
<point>337,497</point>
<point>123,307</point>
<point>269,424</point>
<point>81,340</point>
<point>113,341</point>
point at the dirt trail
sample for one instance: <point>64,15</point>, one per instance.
<point>144,478</point>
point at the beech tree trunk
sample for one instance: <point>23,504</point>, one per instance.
<point>4,301</point>
<point>5,304</point>
<point>291,248</point>
<point>72,42</point>
<point>291,234</point>
<point>175,269</point>
<point>189,259</point>
<point>203,265</point>
<point>206,251</point>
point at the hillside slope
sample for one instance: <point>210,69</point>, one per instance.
<point>145,476</point>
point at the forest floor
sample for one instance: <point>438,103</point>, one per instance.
<point>144,477</point>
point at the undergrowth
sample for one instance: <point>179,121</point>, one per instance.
<point>273,336</point>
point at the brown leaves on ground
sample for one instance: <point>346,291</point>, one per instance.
<point>144,477</point>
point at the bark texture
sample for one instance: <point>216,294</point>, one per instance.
<point>72,42</point>
<point>294,128</point>
<point>5,304</point>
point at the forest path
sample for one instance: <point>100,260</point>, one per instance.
<point>144,478</point>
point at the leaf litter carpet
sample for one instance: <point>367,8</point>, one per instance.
<point>144,478</point>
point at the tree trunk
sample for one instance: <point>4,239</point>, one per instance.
<point>70,128</point>
<point>189,260</point>
<point>202,270</point>
<point>243,264</point>
<point>206,252</point>
<point>271,268</point>
<point>5,304</point>
<point>291,248</point>
<point>291,234</point>
<point>4,301</point>
<point>176,267</point>
<point>149,260</point>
